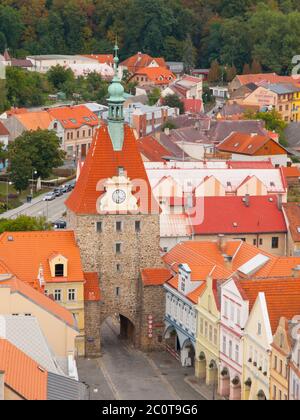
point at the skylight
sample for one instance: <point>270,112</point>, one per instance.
<point>236,145</point>
<point>254,264</point>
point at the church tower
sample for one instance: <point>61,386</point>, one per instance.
<point>116,222</point>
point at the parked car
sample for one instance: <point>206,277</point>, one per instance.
<point>58,192</point>
<point>50,196</point>
<point>66,188</point>
<point>60,224</point>
<point>72,184</point>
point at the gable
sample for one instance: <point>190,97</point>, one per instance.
<point>259,315</point>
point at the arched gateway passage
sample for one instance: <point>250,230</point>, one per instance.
<point>117,326</point>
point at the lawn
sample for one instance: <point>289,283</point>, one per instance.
<point>294,194</point>
<point>14,199</point>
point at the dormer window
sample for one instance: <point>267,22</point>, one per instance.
<point>121,171</point>
<point>59,270</point>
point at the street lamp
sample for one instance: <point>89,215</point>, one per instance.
<point>7,193</point>
<point>34,172</point>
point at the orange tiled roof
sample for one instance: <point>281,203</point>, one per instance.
<point>194,295</point>
<point>140,60</point>
<point>91,287</point>
<point>18,286</point>
<point>74,116</point>
<point>292,212</point>
<point>209,259</point>
<point>265,77</point>
<point>152,149</point>
<point>101,58</point>
<point>16,111</point>
<point>3,130</point>
<point>243,143</point>
<point>102,163</point>
<point>157,75</point>
<point>22,374</point>
<point>282,296</point>
<point>35,120</point>
<point>155,276</point>
<point>291,172</point>
<point>28,250</point>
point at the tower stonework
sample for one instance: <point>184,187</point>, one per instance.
<point>117,233</point>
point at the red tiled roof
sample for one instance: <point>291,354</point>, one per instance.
<point>155,276</point>
<point>22,374</point>
<point>3,130</point>
<point>250,165</point>
<point>27,251</point>
<point>102,163</point>
<point>18,286</point>
<point>231,215</point>
<point>292,212</point>
<point>91,287</point>
<point>140,60</point>
<point>152,149</point>
<point>74,116</point>
<point>193,105</point>
<point>157,75</point>
<point>245,144</point>
<point>282,296</point>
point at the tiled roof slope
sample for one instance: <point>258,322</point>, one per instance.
<point>18,286</point>
<point>282,296</point>
<point>230,215</point>
<point>22,374</point>
<point>24,252</point>
<point>102,163</point>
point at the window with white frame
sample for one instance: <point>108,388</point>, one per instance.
<point>201,326</point>
<point>57,295</point>
<point>71,295</point>
<point>224,344</point>
<point>225,308</point>
<point>230,349</point>
<point>237,353</point>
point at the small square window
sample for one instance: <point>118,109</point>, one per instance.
<point>119,226</point>
<point>71,295</point>
<point>57,295</point>
<point>137,226</point>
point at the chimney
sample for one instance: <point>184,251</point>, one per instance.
<point>247,200</point>
<point>296,272</point>
<point>279,202</point>
<point>253,134</point>
<point>1,385</point>
<point>221,243</point>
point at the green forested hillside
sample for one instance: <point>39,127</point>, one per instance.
<point>233,31</point>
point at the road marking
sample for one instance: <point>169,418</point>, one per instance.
<point>109,380</point>
<point>169,387</point>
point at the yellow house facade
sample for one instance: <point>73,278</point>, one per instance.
<point>296,107</point>
<point>257,345</point>
<point>279,364</point>
<point>56,323</point>
<point>208,332</point>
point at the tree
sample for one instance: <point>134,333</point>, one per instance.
<point>34,150</point>
<point>256,67</point>
<point>154,96</point>
<point>231,72</point>
<point>273,122</point>
<point>189,55</point>
<point>173,101</point>
<point>215,72</point>
<point>24,224</point>
<point>246,69</point>
<point>58,76</point>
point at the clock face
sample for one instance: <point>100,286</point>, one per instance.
<point>119,196</point>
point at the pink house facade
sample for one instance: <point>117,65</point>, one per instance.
<point>234,315</point>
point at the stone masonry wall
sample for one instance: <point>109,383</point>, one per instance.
<point>119,285</point>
